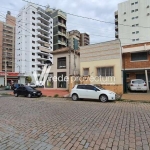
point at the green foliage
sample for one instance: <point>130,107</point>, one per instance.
<point>29,79</point>
<point>56,95</point>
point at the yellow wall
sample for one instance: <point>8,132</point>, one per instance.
<point>93,65</point>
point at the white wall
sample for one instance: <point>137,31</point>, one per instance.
<point>125,32</point>
<point>23,52</point>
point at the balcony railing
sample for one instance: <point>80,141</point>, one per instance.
<point>61,24</point>
<point>40,17</point>
<point>61,33</point>
<point>62,14</point>
<point>43,12</point>
<point>62,42</point>
<point>42,24</point>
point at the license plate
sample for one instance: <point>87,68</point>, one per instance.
<point>139,88</point>
<point>39,94</point>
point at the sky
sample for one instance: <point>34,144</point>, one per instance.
<point>97,9</point>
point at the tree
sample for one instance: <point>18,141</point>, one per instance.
<point>29,79</point>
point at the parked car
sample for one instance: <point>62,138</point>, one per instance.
<point>27,91</point>
<point>137,85</point>
<point>16,85</point>
<point>92,92</point>
<point>32,85</point>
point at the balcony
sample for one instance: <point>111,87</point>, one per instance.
<point>43,30</point>
<point>116,13</point>
<point>62,34</point>
<point>41,11</point>
<point>116,28</point>
<point>44,49</point>
<point>116,34</point>
<point>45,42</point>
<point>43,19</point>
<point>41,57</point>
<point>62,14</point>
<point>42,24</point>
<point>61,24</point>
<point>62,43</point>
<point>43,35</point>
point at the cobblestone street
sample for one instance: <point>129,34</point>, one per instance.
<point>48,123</point>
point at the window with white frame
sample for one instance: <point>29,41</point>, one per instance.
<point>105,71</point>
<point>85,71</point>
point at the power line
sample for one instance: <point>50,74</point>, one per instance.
<point>84,16</point>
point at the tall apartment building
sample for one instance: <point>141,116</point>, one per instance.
<point>34,39</point>
<point>84,39</point>
<point>77,39</point>
<point>74,39</point>
<point>59,28</point>
<point>132,22</point>
<point>7,43</point>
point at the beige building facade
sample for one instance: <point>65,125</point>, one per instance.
<point>66,62</point>
<point>102,63</point>
<point>7,43</point>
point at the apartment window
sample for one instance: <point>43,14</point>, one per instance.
<point>137,32</point>
<point>33,66</point>
<point>133,25</point>
<point>148,6</point>
<point>33,54</point>
<point>33,59</point>
<point>125,20</point>
<point>105,71</point>
<point>137,24</point>
<point>137,39</point>
<point>132,18</point>
<point>139,56</point>
<point>132,11</point>
<point>124,13</point>
<point>33,35</point>
<point>136,2</point>
<point>33,30</point>
<point>33,47</point>
<point>133,40</point>
<point>136,10</point>
<point>136,17</point>
<point>33,24</point>
<point>33,41</point>
<point>33,12</point>
<point>85,71</point>
<point>133,32</point>
<point>132,3</point>
<point>33,18</point>
<point>61,63</point>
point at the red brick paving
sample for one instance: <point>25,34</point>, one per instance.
<point>52,92</point>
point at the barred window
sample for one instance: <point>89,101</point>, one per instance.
<point>85,71</point>
<point>105,71</point>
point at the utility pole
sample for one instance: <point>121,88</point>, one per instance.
<point>5,71</point>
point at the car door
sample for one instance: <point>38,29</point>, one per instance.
<point>19,90</point>
<point>91,92</point>
<point>24,91</point>
<point>141,84</point>
<point>81,91</point>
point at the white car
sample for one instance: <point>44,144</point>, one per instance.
<point>92,92</point>
<point>137,85</point>
<point>32,85</point>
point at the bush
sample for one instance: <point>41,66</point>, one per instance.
<point>56,95</point>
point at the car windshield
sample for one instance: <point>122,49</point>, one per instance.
<point>99,88</point>
<point>29,88</point>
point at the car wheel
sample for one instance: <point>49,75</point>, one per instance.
<point>29,95</point>
<point>74,97</point>
<point>103,98</point>
<point>16,94</point>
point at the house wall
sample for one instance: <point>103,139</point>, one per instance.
<point>70,63</point>
<point>107,54</point>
